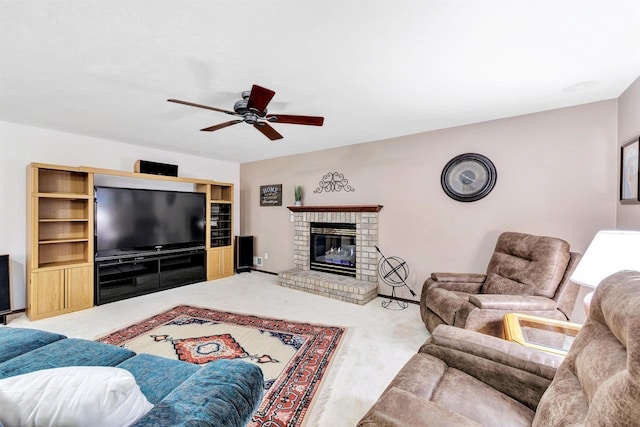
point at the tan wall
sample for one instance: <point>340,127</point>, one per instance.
<point>556,176</point>
<point>628,216</point>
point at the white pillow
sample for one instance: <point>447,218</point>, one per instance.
<point>93,396</point>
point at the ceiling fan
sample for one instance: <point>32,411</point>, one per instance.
<point>252,109</point>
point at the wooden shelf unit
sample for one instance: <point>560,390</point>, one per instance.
<point>219,241</point>
<point>60,236</point>
<point>222,192</point>
<point>60,252</point>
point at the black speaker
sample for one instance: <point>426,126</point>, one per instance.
<point>244,253</point>
<point>153,168</point>
<point>5,289</point>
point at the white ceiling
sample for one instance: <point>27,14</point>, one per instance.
<point>373,69</point>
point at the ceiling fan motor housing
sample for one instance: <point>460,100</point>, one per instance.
<point>240,107</point>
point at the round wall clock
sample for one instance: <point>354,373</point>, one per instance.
<point>468,177</point>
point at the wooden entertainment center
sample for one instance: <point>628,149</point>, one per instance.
<point>60,235</point>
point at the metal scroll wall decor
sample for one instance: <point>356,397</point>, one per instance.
<point>333,181</point>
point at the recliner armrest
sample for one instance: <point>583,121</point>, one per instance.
<point>470,283</point>
<point>512,302</point>
<point>459,277</point>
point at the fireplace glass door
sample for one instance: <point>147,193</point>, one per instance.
<point>333,248</point>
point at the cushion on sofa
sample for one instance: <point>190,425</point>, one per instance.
<point>410,410</point>
<point>222,393</point>
<point>72,396</point>
<point>67,352</point>
<point>158,376</point>
<point>475,400</point>
<point>17,341</point>
<point>526,264</point>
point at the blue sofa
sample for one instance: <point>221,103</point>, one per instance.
<point>221,393</point>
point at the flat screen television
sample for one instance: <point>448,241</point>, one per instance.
<point>138,220</point>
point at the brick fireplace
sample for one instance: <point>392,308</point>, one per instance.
<point>359,289</point>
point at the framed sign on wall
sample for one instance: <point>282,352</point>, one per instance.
<point>271,195</point>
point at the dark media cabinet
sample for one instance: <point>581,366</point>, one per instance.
<point>138,274</point>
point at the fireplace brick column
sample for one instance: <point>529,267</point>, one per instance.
<point>366,239</point>
<point>364,287</point>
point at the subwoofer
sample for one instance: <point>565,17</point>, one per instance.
<point>244,253</point>
<point>154,168</point>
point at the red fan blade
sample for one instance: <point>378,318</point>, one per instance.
<point>296,120</point>
<point>259,98</point>
<point>191,104</point>
<point>221,125</point>
<point>268,131</point>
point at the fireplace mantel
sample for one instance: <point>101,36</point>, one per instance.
<point>345,208</point>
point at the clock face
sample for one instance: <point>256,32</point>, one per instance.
<point>468,177</point>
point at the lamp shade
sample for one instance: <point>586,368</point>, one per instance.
<point>610,251</point>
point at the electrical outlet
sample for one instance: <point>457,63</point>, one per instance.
<point>257,261</point>
<point>266,255</point>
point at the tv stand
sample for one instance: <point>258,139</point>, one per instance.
<point>130,275</point>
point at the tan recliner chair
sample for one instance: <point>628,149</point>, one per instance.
<point>463,378</point>
<point>526,274</point>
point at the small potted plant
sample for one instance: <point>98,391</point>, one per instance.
<point>297,193</point>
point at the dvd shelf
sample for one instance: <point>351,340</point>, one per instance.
<point>220,244</point>
<point>220,224</point>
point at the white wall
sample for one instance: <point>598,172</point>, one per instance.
<point>21,145</point>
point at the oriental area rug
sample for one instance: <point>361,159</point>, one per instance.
<point>294,357</point>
